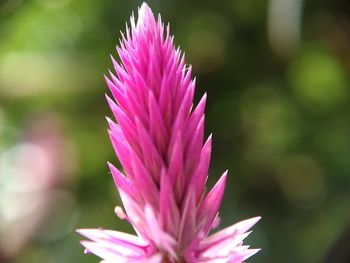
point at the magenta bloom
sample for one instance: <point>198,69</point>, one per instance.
<point>159,142</point>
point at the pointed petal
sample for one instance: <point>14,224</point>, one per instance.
<point>168,210</point>
<point>210,205</point>
<point>199,177</point>
<point>188,221</point>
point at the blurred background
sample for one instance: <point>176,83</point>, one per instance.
<point>277,77</point>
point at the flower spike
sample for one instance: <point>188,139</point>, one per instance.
<point>159,141</point>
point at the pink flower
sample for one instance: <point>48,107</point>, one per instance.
<point>159,142</point>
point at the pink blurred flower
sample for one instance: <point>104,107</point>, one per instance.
<point>159,142</point>
<point>33,174</point>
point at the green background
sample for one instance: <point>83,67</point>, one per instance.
<point>278,106</point>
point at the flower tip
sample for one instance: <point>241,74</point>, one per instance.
<point>220,184</point>
<point>251,252</point>
<point>110,165</point>
<point>85,232</point>
<point>111,123</point>
<point>144,5</point>
<point>255,220</point>
<point>209,141</point>
<point>110,72</point>
<point>247,224</point>
<point>145,15</point>
<point>223,179</point>
<point>144,8</point>
<point>110,101</point>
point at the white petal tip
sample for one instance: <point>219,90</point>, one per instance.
<point>245,225</point>
<point>251,252</point>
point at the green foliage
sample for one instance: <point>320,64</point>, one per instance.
<point>280,120</point>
